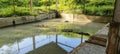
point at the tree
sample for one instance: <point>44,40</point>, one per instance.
<point>31,5</point>
<point>84,6</point>
<point>14,6</point>
<point>57,5</point>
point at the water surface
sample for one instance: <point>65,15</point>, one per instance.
<point>24,38</point>
<point>27,44</point>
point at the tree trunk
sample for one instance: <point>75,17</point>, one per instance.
<point>31,5</point>
<point>113,38</point>
<point>56,5</point>
<point>14,7</point>
<point>114,31</point>
<point>84,7</point>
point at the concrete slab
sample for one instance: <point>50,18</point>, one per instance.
<point>95,44</point>
<point>91,49</point>
<point>104,30</point>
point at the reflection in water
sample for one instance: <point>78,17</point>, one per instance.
<point>13,42</point>
<point>56,39</point>
<point>81,38</point>
<point>31,43</point>
<point>18,46</point>
<point>34,44</point>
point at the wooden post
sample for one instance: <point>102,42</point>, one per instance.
<point>113,46</point>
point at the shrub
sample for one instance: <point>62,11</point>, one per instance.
<point>101,7</point>
<point>20,11</point>
<point>6,12</point>
<point>93,7</point>
<point>102,10</point>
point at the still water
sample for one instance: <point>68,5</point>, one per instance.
<point>24,38</point>
<point>30,43</point>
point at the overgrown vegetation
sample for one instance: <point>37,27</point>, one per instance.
<point>22,7</point>
<point>100,7</point>
<point>20,11</point>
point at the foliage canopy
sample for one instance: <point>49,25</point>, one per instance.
<point>93,7</point>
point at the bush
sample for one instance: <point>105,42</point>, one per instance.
<point>20,11</point>
<point>100,3</point>
<point>6,12</point>
<point>101,11</point>
<point>93,7</point>
<point>101,7</point>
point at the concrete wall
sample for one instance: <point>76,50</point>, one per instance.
<point>24,19</point>
<point>84,18</point>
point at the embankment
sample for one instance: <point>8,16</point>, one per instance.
<point>9,21</point>
<point>84,18</point>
